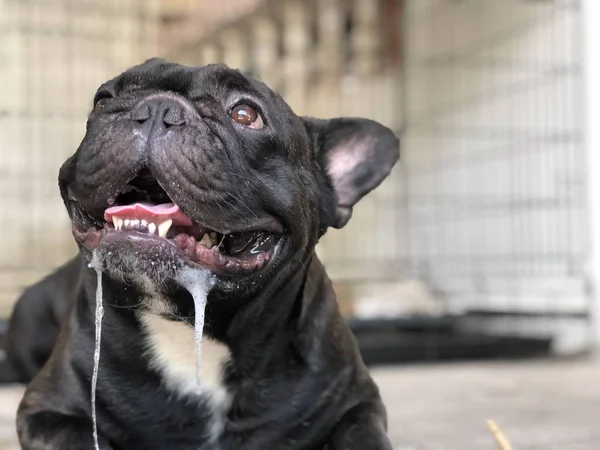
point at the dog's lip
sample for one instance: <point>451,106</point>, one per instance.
<point>207,258</point>
<point>265,237</point>
<point>269,225</point>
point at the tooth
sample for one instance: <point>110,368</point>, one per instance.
<point>144,222</point>
<point>151,228</point>
<point>163,228</point>
<point>213,237</point>
<point>206,241</point>
<point>134,222</point>
<point>126,222</point>
<point>118,223</point>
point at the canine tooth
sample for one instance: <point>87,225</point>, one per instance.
<point>152,228</point>
<point>118,223</point>
<point>206,241</point>
<point>163,228</point>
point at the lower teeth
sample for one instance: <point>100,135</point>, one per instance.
<point>206,241</point>
<point>231,244</point>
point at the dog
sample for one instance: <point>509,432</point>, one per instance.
<point>37,317</point>
<point>203,170</point>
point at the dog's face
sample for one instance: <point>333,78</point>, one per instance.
<point>205,167</point>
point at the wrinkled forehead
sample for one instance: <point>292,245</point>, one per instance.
<point>216,80</point>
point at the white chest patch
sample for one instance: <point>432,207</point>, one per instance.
<point>172,354</point>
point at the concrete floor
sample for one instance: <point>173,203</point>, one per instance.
<point>538,405</point>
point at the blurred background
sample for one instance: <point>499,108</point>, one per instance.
<point>478,246</point>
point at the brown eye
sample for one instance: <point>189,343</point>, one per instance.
<point>247,116</point>
<point>100,104</point>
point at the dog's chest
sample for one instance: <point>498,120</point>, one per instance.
<point>172,354</point>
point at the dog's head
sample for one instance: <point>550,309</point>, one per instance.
<point>206,167</point>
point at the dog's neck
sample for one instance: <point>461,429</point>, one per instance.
<point>291,334</point>
<point>238,323</point>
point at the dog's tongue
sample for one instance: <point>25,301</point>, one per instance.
<point>149,212</point>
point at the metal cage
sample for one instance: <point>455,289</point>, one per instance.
<point>494,166</point>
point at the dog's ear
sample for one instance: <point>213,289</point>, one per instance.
<point>154,62</point>
<point>355,154</point>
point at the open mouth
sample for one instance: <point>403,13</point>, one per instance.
<point>144,213</point>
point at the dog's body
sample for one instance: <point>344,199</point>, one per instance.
<point>37,317</point>
<point>266,184</point>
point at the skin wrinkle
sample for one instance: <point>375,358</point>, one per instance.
<point>179,168</point>
<point>199,191</point>
<point>214,135</point>
<point>102,172</point>
<point>94,165</point>
<point>235,207</point>
<point>197,167</point>
<point>182,169</point>
<point>189,152</point>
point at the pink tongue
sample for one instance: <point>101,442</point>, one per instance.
<point>149,212</point>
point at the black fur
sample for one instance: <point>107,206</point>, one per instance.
<point>296,378</point>
<point>37,316</point>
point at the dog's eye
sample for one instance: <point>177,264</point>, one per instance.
<point>101,103</point>
<point>247,116</point>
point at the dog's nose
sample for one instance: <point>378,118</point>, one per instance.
<point>160,112</point>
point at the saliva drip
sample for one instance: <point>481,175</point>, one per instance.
<point>96,264</point>
<point>198,282</point>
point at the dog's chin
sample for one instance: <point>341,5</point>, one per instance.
<point>131,258</point>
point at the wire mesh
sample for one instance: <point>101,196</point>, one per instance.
<point>494,160</point>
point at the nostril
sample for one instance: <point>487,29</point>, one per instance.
<point>141,114</point>
<point>163,112</point>
<point>174,117</point>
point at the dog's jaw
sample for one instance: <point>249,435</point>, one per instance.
<point>157,239</point>
<point>159,224</point>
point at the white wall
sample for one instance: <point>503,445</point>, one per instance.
<point>592,78</point>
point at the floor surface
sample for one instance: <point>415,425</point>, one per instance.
<point>537,404</point>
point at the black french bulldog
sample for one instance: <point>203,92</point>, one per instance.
<point>206,168</point>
